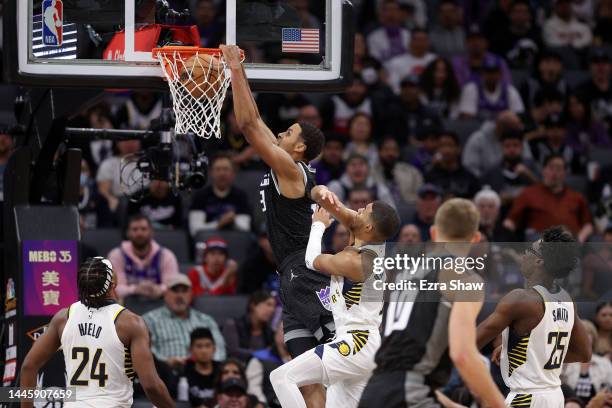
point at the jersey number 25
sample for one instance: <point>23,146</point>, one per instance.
<point>558,353</point>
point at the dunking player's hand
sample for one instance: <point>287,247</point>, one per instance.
<point>231,55</point>
<point>322,215</point>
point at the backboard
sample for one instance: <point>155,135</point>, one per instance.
<point>290,45</point>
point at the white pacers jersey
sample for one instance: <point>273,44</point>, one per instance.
<point>533,362</point>
<point>357,305</point>
<point>98,364</point>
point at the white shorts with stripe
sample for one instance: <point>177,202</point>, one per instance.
<point>550,398</point>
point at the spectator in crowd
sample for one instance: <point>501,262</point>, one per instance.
<point>251,332</point>
<point>448,173</point>
<point>138,111</point>
<point>361,53</point>
<point>486,97</point>
<point>259,266</point>
<point>602,33</point>
<point>389,39</point>
<point>584,132</point>
<point>497,15</point>
<point>171,325</point>
<point>357,174</point>
<point>232,369</point>
<point>221,205</point>
<point>563,29</point>
<point>111,173</point>
<point>428,141</point>
<point>550,203</point>
<point>359,197</point>
<point>519,41</point>
<point>160,205</point>
<point>488,203</point>
<point>201,370</point>
<point>448,37</point>
<point>234,145</point>
<point>598,88</point>
<point>468,66</point>
<point>360,136</point>
<point>515,172</point>
<point>217,275</point>
<point>340,238</point>
<point>603,322</point>
<point>233,394</point>
<point>596,267</point>
<point>401,179</point>
<point>588,379</point>
<point>262,364</point>
<point>483,150</point>
<point>546,103</point>
<point>94,152</point>
<point>547,77</point>
<point>339,109</point>
<point>211,31</point>
<point>440,90</point>
<point>554,142</point>
<point>280,110</point>
<point>143,267</point>
<point>310,114</point>
<point>412,116</point>
<point>410,233</point>
<point>414,13</point>
<point>6,149</point>
<point>92,207</point>
<point>412,62</point>
<point>330,165</point>
<point>428,201</point>
<point>307,19</point>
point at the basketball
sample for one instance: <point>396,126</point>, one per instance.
<point>202,74</point>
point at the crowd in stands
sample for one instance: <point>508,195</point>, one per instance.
<point>507,102</point>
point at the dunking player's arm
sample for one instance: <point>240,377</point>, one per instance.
<point>348,262</point>
<point>522,310</point>
<point>132,331</point>
<point>255,130</point>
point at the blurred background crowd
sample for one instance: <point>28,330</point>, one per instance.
<point>508,103</point>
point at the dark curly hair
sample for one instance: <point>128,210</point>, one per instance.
<point>559,251</point>
<point>94,280</point>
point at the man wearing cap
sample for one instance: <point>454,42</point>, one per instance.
<point>171,325</point>
<point>487,96</point>
<point>563,29</point>
<point>554,141</point>
<point>217,275</point>
<point>598,88</point>
<point>429,198</point>
<point>468,67</point>
<point>232,394</point>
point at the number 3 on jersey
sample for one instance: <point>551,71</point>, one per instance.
<point>97,372</point>
<point>558,353</point>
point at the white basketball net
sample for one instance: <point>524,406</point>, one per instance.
<point>196,102</point>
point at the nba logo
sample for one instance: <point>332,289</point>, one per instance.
<point>53,21</point>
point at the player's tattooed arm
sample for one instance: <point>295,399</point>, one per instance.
<point>327,199</point>
<point>580,347</point>
<point>507,311</point>
<point>42,350</point>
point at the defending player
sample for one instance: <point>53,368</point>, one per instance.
<point>104,346</point>
<point>539,325</point>
<point>285,197</point>
<point>421,326</point>
<point>344,364</point>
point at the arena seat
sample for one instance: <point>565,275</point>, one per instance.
<point>141,305</point>
<point>569,57</point>
<point>176,241</point>
<point>239,242</point>
<point>462,127</point>
<point>103,239</point>
<point>575,77</point>
<point>578,183</point>
<point>603,156</point>
<point>222,307</point>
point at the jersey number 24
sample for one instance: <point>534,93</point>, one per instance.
<point>97,372</point>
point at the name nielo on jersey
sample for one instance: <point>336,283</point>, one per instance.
<point>89,329</point>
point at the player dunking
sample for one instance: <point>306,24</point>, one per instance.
<point>421,325</point>
<point>285,196</point>
<point>344,364</point>
<point>104,345</point>
<point>539,325</point>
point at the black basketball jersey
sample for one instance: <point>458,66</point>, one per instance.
<point>415,327</point>
<point>288,219</point>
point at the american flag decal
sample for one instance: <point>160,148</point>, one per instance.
<point>302,40</point>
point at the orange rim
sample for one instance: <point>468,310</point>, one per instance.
<point>185,52</point>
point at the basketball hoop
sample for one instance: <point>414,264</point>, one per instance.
<point>198,79</point>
